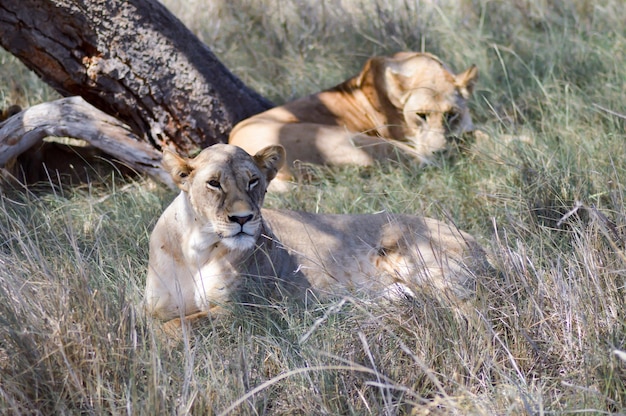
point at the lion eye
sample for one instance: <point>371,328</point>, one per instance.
<point>213,184</point>
<point>253,183</point>
<point>422,116</point>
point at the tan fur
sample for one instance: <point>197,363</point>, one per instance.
<point>410,101</point>
<point>214,238</point>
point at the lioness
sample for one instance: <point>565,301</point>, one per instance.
<point>410,101</point>
<point>214,237</point>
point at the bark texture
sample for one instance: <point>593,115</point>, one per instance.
<point>133,60</point>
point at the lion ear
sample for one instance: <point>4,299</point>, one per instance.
<point>178,167</point>
<point>380,78</point>
<point>367,74</point>
<point>394,76</point>
<point>466,81</point>
<point>270,160</point>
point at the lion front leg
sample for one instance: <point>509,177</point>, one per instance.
<point>167,295</point>
<point>215,283</point>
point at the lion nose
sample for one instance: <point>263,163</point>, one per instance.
<point>241,220</point>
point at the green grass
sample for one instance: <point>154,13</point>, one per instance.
<point>540,338</point>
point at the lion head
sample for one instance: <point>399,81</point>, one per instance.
<point>226,188</point>
<point>423,101</point>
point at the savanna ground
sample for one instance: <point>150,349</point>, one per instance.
<point>546,335</point>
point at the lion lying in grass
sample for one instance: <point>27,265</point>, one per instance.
<point>214,238</point>
<point>410,101</point>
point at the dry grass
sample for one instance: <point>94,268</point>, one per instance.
<point>547,335</point>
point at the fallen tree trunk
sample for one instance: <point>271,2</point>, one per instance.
<point>74,117</point>
<point>133,60</point>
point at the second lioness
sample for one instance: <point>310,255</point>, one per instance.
<point>410,102</point>
<point>214,238</point>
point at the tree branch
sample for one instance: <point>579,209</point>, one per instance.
<point>74,117</point>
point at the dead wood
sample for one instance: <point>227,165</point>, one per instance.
<point>74,117</point>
